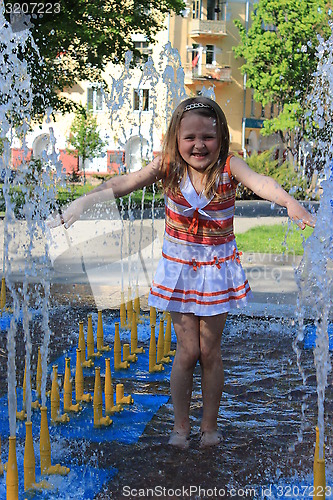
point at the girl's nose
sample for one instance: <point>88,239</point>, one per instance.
<point>199,144</point>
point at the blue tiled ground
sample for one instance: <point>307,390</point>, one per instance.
<point>310,337</point>
<point>127,427</point>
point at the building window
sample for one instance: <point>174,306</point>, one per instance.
<point>196,58</point>
<point>210,49</point>
<point>94,99</point>
<point>196,9</point>
<point>252,104</point>
<point>216,10</point>
<point>144,49</point>
<point>141,100</point>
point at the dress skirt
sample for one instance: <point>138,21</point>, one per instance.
<point>198,279</point>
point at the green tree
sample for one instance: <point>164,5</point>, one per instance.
<point>77,38</point>
<point>84,140</point>
<point>279,50</point>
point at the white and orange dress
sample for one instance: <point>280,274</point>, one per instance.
<point>200,270</point>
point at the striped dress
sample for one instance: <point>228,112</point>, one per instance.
<point>200,270</point>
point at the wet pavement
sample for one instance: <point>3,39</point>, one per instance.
<point>267,438</point>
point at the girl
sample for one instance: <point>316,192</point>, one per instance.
<point>199,277</point>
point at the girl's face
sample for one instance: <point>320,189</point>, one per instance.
<point>198,144</point>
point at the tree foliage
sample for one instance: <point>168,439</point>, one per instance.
<point>280,58</point>
<point>84,140</point>
<point>78,38</point>
<point>285,174</point>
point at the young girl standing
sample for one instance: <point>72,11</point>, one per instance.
<point>199,277</point>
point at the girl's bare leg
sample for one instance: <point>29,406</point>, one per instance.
<point>188,351</point>
<point>212,374</point>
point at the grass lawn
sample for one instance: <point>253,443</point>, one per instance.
<point>73,191</point>
<point>273,239</point>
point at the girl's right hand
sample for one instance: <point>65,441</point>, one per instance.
<point>156,165</point>
<point>71,214</point>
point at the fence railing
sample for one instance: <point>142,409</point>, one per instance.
<point>207,72</point>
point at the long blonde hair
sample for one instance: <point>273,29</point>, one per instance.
<point>173,166</point>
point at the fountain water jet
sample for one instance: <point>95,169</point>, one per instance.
<point>315,285</point>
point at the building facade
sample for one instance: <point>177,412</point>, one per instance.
<point>192,55</point>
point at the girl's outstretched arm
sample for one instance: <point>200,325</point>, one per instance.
<point>268,189</point>
<point>115,187</point>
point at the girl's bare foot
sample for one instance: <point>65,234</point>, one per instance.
<point>179,439</point>
<point>210,438</point>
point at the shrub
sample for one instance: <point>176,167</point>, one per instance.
<point>284,174</point>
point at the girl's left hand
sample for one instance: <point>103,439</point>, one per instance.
<point>300,215</point>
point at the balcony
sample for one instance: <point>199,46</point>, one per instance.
<point>207,27</point>
<point>207,73</point>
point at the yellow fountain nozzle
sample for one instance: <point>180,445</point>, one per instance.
<point>88,363</point>
<point>12,471</point>
<point>21,415</point>
<point>319,479</point>
<point>35,405</point>
<point>99,420</point>
<point>156,368</point>
<point>86,398</point>
<point>74,408</point>
<point>166,360</point>
<point>29,463</point>
<point>118,364</point>
<point>1,465</point>
<point>105,421</point>
<point>123,365</point>
<point>139,350</point>
<point>96,354</point>
<point>121,399</point>
<point>114,409</point>
<point>57,469</point>
<point>104,348</point>
<point>100,334</point>
<point>79,381</point>
<point>132,358</point>
<point>152,315</point>
<point>122,312</point>
<point>61,419</point>
<point>3,294</point>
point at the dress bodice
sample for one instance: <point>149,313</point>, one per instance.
<point>192,218</point>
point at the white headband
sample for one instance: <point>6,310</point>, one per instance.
<point>196,105</point>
